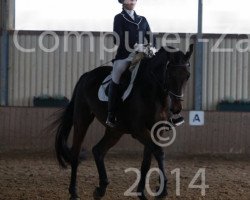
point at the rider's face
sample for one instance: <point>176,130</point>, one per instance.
<point>129,4</point>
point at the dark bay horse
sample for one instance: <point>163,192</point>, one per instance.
<point>164,74</point>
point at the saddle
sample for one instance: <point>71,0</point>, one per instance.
<point>128,77</point>
<point>126,83</point>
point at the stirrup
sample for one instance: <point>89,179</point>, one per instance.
<point>111,123</point>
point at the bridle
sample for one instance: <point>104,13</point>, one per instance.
<point>164,88</point>
<point>178,97</point>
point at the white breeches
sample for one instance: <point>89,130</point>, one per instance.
<point>120,66</point>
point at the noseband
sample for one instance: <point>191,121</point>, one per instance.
<point>177,97</point>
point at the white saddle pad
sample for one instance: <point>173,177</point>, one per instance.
<point>101,92</point>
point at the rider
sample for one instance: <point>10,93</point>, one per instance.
<point>131,29</point>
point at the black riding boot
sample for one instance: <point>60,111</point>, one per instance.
<point>112,104</point>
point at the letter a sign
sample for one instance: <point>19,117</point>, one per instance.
<point>196,118</point>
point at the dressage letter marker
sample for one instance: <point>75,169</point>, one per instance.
<point>196,118</point>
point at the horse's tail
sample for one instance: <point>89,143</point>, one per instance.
<point>65,122</point>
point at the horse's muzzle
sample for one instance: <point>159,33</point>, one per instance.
<point>176,107</point>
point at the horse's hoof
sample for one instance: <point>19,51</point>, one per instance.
<point>162,195</point>
<point>99,193</point>
<point>141,193</point>
<point>142,197</point>
<point>74,198</point>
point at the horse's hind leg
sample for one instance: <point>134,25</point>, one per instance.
<point>99,151</point>
<point>82,120</point>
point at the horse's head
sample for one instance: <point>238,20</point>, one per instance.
<point>177,77</point>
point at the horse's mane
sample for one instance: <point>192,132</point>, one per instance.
<point>161,57</point>
<point>158,61</point>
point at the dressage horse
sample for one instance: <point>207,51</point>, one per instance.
<point>163,75</point>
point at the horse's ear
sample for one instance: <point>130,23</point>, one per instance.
<point>190,51</point>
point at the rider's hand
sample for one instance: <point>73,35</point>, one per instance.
<point>152,50</point>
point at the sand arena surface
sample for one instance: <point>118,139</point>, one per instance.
<point>37,176</point>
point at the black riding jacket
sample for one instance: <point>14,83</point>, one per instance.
<point>136,29</point>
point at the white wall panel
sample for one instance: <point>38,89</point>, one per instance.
<point>225,74</point>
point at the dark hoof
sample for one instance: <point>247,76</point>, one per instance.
<point>143,197</point>
<point>74,198</point>
<point>99,193</point>
<point>73,193</point>
<point>141,193</point>
<point>162,195</point>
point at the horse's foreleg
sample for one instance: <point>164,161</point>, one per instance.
<point>159,155</point>
<point>147,157</point>
<point>99,151</point>
<point>160,158</point>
